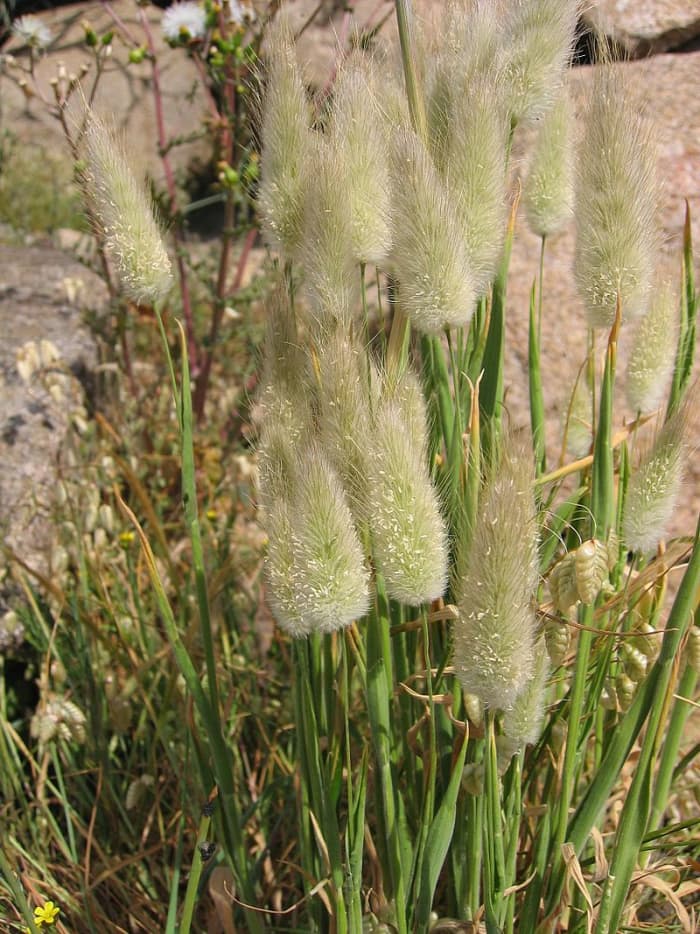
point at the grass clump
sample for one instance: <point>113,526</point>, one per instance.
<point>470,663</point>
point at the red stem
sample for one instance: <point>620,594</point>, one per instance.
<point>172,194</point>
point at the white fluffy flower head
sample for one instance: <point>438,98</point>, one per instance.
<point>32,31</point>
<point>184,21</point>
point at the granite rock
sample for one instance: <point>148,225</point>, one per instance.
<point>646,27</point>
<point>47,355</point>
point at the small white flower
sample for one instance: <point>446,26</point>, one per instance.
<point>32,31</point>
<point>237,12</point>
<point>183,20</point>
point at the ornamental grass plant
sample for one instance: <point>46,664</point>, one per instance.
<point>469,714</point>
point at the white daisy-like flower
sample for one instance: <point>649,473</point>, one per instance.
<point>32,31</point>
<point>238,12</point>
<point>184,21</point>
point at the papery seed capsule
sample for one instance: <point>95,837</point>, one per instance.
<point>608,696</point>
<point>557,638</point>
<point>645,639</point>
<point>625,690</point>
<point>474,708</point>
<point>633,661</point>
<point>562,584</point>
<point>591,565</point>
<point>692,649</point>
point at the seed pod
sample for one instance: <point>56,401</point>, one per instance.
<point>591,569</point>
<point>692,649</point>
<point>562,584</point>
<point>558,639</point>
<point>633,661</point>
<point>474,708</point>
<point>626,689</point>
<point>608,696</point>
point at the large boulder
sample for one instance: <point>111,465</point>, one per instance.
<point>47,356</point>
<point>646,27</point>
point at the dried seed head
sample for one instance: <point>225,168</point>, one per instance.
<point>616,203</point>
<point>494,636</point>
<point>476,175</point>
<point>654,487</point>
<point>537,44</point>
<point>331,275</point>
<point>557,639</point>
<point>286,142</point>
<point>653,353</point>
<point>408,531</point>
<point>549,188</point>
<point>124,212</point>
<point>436,287</point>
<point>357,130</point>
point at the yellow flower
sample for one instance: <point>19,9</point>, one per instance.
<point>46,913</point>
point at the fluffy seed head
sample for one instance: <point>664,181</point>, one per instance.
<point>654,488</point>
<point>494,636</point>
<point>653,353</point>
<point>330,577</point>
<point>522,724</point>
<point>476,175</point>
<point>549,188</point>
<point>436,287</point>
<point>465,55</point>
<point>344,414</point>
<point>616,202</point>
<point>360,141</point>
<point>280,572</point>
<point>286,142</point>
<point>326,249</point>
<point>537,42</point>
<point>123,211</point>
<point>409,535</point>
